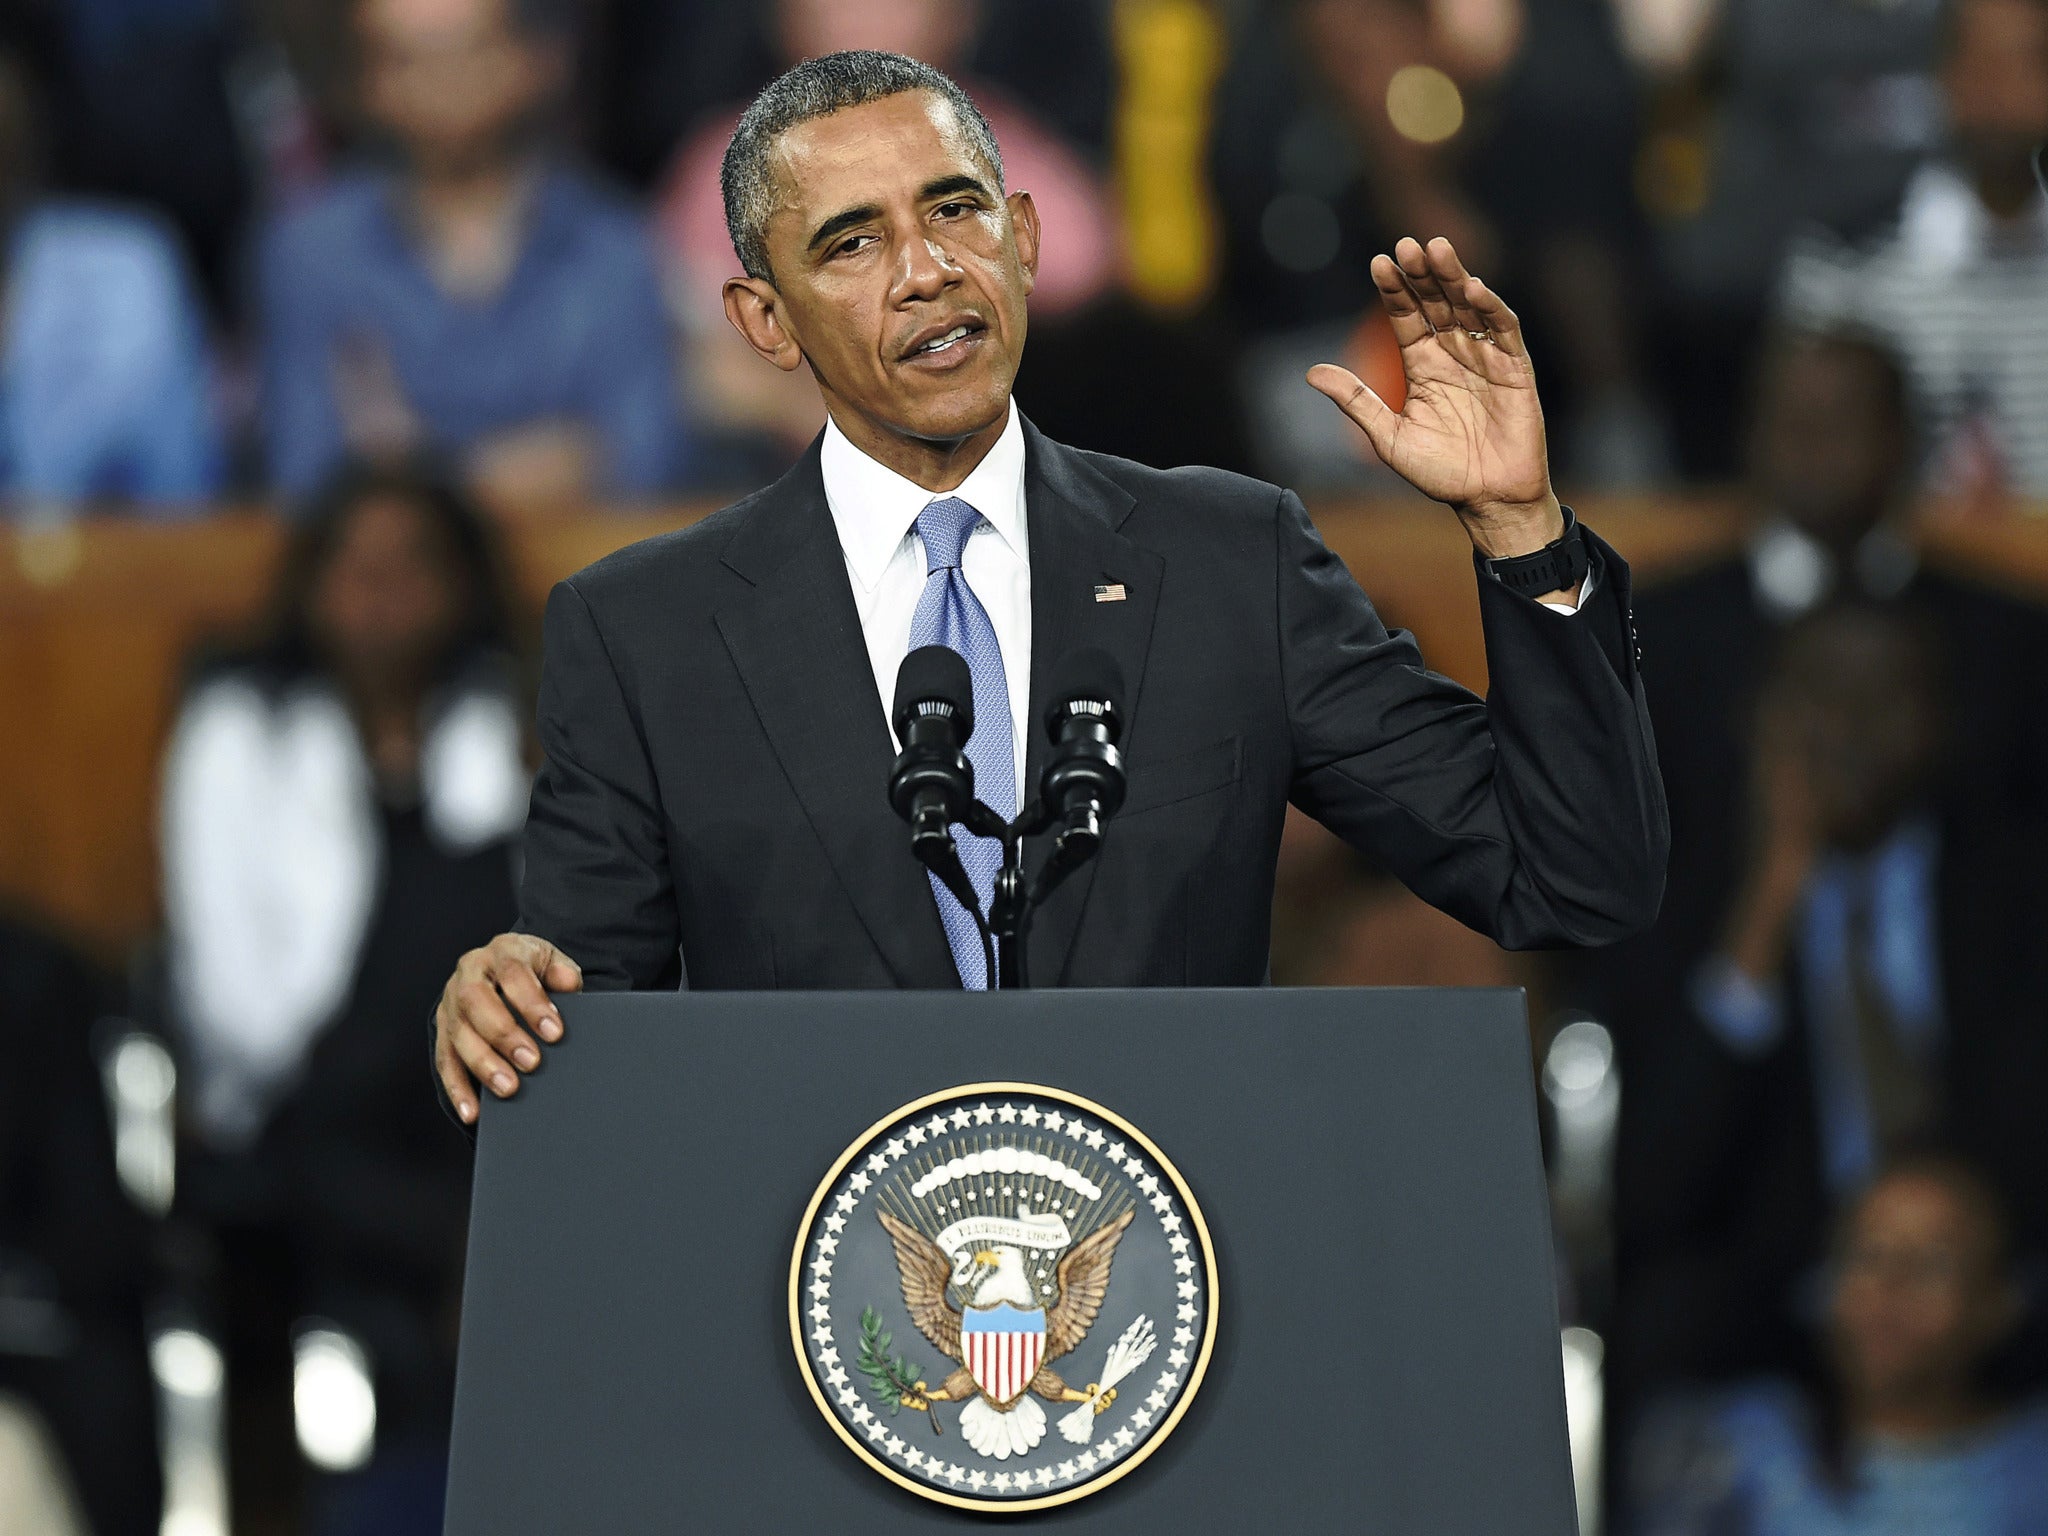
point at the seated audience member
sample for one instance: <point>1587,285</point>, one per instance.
<point>106,388</point>
<point>781,412</point>
<point>484,297</point>
<point>74,1260</point>
<point>1765,119</point>
<point>339,806</point>
<point>1722,1175</point>
<point>1957,278</point>
<point>1865,972</point>
<point>1903,1433</point>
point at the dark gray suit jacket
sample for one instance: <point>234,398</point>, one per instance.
<point>712,809</point>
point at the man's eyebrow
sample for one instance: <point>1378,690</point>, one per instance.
<point>840,222</point>
<point>958,182</point>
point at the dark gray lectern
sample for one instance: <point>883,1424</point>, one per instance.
<point>1387,1353</point>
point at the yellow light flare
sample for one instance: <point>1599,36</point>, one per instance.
<point>1424,104</point>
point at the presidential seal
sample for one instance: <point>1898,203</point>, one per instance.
<point>1003,1297</point>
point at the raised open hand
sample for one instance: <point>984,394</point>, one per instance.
<point>1471,430</point>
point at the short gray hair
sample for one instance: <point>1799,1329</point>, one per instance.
<point>818,88</point>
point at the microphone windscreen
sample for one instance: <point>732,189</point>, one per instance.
<point>934,674</point>
<point>1088,672</point>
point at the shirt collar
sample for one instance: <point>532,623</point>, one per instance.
<point>874,508</point>
<point>1945,226</point>
<point>1790,571</point>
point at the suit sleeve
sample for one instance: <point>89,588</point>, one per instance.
<point>1536,815</point>
<point>596,882</point>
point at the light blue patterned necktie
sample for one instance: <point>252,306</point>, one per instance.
<point>949,614</point>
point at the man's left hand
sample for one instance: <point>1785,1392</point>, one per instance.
<point>1471,430</point>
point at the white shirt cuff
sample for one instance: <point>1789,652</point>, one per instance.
<point>1585,592</point>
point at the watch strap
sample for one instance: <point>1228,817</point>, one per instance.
<point>1558,566</point>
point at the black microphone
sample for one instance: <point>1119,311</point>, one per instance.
<point>1083,782</point>
<point>932,783</point>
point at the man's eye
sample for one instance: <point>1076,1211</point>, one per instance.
<point>948,210</point>
<point>850,244</point>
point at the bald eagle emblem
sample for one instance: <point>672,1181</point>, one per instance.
<point>1050,1255</point>
<point>983,1310</point>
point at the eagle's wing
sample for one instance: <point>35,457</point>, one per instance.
<point>925,1272</point>
<point>1084,1281</point>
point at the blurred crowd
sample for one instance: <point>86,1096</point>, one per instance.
<point>407,269</point>
<point>249,239</point>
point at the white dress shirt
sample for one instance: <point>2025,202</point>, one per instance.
<point>876,510</point>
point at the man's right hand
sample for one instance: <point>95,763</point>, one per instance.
<point>477,1034</point>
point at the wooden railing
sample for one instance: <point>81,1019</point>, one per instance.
<point>97,620</point>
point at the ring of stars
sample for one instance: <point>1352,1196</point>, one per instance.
<point>832,1333</point>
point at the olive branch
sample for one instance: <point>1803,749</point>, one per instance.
<point>889,1378</point>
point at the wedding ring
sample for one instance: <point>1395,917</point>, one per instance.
<point>1480,335</point>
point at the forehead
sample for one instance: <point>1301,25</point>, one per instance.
<point>2002,24</point>
<point>1922,1212</point>
<point>430,20</point>
<point>879,152</point>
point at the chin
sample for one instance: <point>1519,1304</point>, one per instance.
<point>957,415</point>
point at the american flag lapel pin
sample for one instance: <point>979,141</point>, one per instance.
<point>1110,592</point>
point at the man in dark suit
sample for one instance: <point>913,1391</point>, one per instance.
<point>1847,961</point>
<point>712,808</point>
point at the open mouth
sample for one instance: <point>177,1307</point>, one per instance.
<point>955,338</point>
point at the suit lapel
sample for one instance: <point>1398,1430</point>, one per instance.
<point>796,641</point>
<point>1073,511</point>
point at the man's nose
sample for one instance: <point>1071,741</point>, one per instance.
<point>924,270</point>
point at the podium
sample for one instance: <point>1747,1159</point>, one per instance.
<point>1385,1354</point>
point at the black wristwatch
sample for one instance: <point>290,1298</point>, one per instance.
<point>1558,566</point>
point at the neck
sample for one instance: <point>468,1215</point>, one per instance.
<point>2006,188</point>
<point>1928,1414</point>
<point>468,217</point>
<point>936,464</point>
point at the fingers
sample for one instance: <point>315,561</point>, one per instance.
<point>1358,402</point>
<point>455,1079</point>
<point>1431,284</point>
<point>480,1005</point>
<point>1478,304</point>
<point>523,965</point>
<point>563,974</point>
<point>1403,308</point>
<point>477,1023</point>
<point>1455,282</point>
<point>484,1064</point>
<point>520,987</point>
<point>1415,266</point>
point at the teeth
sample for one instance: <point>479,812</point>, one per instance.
<point>946,340</point>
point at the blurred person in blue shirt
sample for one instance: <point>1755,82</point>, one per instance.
<point>484,297</point>
<point>106,388</point>
<point>1902,1437</point>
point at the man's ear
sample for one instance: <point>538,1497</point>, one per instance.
<point>1024,222</point>
<point>755,310</point>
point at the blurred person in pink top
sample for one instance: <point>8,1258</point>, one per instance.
<point>774,415</point>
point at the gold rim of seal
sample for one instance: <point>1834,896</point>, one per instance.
<point>1065,1495</point>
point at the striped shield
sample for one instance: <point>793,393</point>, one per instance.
<point>1002,1347</point>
